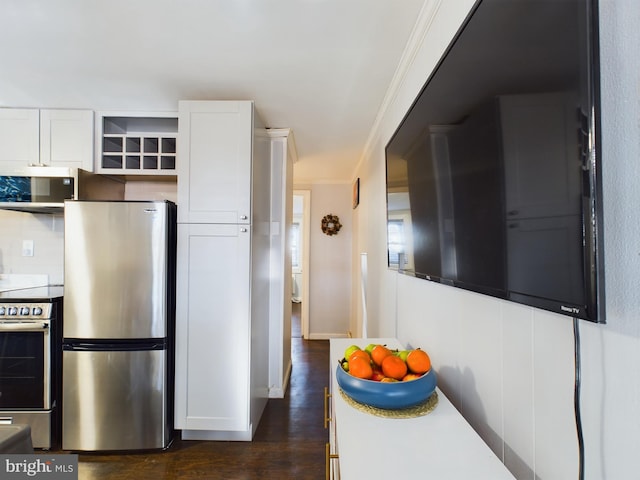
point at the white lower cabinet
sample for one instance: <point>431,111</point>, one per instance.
<point>213,330</point>
<point>438,445</point>
<point>332,466</point>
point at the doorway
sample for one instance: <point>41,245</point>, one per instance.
<point>300,263</point>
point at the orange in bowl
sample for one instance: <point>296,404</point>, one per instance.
<point>379,353</point>
<point>394,367</point>
<point>360,368</point>
<point>360,354</point>
<point>418,361</point>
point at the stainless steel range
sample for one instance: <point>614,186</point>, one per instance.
<point>30,361</point>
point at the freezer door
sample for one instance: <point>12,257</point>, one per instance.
<point>115,400</point>
<point>115,269</point>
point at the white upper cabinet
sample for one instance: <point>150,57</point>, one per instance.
<point>66,138</point>
<point>19,137</point>
<point>47,137</point>
<point>215,151</point>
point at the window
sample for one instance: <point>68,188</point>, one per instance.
<point>395,233</point>
<point>295,244</point>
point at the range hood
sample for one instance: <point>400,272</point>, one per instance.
<point>33,207</point>
<point>45,189</point>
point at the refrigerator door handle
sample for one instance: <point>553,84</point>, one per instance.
<point>107,347</point>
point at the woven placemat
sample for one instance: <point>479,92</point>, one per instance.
<point>419,410</point>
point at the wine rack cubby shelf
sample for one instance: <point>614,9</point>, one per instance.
<point>141,144</point>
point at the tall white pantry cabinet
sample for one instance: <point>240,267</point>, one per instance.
<point>222,304</point>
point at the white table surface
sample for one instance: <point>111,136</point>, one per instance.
<point>440,445</point>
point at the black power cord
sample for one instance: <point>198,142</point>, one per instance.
<point>576,397</point>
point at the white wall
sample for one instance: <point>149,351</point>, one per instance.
<point>151,190</point>
<point>329,262</point>
<point>507,367</point>
<point>612,353</point>
<point>47,233</point>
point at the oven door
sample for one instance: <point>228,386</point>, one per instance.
<point>25,348</point>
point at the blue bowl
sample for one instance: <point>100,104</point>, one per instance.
<point>389,396</point>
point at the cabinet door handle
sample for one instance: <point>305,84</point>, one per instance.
<point>243,217</point>
<point>243,230</point>
<point>328,456</point>
<point>327,396</point>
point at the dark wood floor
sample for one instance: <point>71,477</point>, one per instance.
<point>289,443</point>
<point>296,319</point>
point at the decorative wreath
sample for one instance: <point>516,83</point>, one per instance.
<point>331,225</point>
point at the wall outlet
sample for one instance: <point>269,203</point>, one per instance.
<point>27,248</point>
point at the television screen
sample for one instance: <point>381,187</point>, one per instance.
<point>493,175</point>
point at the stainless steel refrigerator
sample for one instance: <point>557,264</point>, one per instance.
<point>119,323</point>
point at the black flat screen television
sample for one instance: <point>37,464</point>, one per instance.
<point>493,175</point>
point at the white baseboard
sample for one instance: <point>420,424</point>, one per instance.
<point>327,336</point>
<point>279,392</point>
<point>241,436</point>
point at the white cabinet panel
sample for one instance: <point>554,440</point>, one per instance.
<point>66,138</point>
<point>19,137</point>
<point>215,151</point>
<point>212,343</point>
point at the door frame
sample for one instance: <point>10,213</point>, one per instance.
<point>306,234</point>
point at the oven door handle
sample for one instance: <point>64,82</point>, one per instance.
<point>23,326</point>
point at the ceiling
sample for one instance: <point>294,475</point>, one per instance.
<point>319,67</point>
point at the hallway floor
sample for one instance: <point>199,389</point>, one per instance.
<point>296,320</point>
<point>289,443</point>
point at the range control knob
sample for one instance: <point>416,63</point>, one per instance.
<point>12,311</point>
<point>37,311</point>
<point>3,311</point>
<point>24,311</point>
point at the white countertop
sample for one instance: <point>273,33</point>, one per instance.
<point>439,445</point>
<point>11,281</point>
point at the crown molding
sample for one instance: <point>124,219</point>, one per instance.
<point>414,44</point>
<point>291,143</point>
